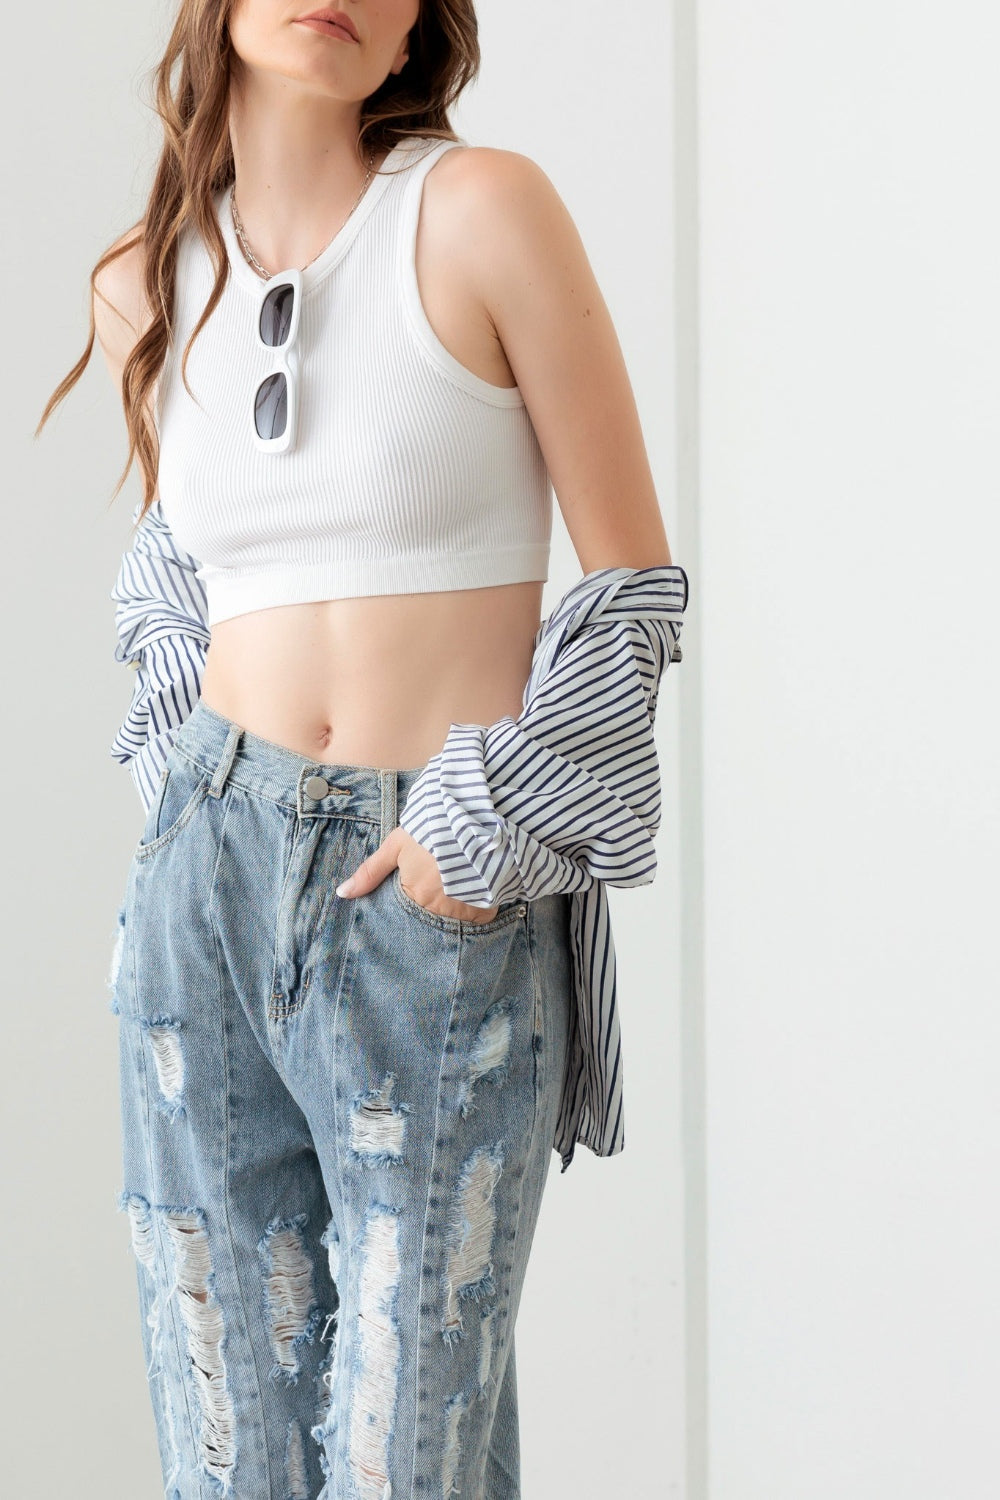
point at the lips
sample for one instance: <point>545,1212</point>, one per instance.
<point>335,19</point>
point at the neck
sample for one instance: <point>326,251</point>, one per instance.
<point>297,169</point>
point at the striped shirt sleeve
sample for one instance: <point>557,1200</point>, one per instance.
<point>566,798</point>
<point>161,620</point>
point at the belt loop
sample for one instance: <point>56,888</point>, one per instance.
<point>225,761</point>
<point>388,787</point>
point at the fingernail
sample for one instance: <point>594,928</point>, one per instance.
<point>345,888</point>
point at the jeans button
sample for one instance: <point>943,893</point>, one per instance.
<point>317,786</point>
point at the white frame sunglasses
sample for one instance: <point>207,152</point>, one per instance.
<point>275,398</point>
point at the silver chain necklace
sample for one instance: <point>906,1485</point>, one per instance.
<point>245,243</point>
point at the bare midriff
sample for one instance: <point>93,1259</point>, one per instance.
<point>374,681</point>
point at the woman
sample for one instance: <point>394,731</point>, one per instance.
<point>339,1097</point>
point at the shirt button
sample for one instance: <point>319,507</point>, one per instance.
<point>317,786</point>
<point>136,664</point>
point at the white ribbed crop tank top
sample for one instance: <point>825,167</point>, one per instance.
<point>409,472</point>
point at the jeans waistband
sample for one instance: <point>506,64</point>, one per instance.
<point>312,788</point>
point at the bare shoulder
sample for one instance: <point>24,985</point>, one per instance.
<point>504,209</point>
<point>119,301</point>
<point>492,181</point>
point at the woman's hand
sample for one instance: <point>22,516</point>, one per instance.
<point>419,878</point>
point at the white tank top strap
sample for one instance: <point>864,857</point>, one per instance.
<point>409,218</point>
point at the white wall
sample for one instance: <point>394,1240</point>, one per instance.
<point>850,527</point>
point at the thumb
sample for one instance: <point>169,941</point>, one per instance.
<point>372,871</point>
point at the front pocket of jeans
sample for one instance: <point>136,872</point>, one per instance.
<point>180,791</point>
<point>508,912</point>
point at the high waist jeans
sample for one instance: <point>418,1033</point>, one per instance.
<point>337,1119</point>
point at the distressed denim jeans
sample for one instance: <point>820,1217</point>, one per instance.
<point>337,1121</point>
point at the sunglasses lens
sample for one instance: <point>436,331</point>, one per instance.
<point>270,408</point>
<point>276,315</point>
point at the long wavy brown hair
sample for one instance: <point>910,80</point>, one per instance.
<point>197,161</point>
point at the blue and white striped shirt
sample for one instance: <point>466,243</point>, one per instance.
<point>161,614</point>
<point>566,798</point>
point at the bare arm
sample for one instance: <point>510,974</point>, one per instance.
<point>119,308</point>
<point>539,290</point>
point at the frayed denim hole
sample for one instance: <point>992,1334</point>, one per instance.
<point>454,1410</point>
<point>377,1355</point>
<point>489,1061</point>
<point>471,1223</point>
<point>378,1126</point>
<point>115,962</point>
<point>201,1314</point>
<point>296,1479</point>
<point>289,1294</point>
<point>144,1246</point>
